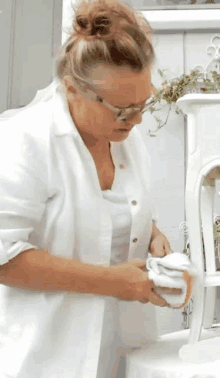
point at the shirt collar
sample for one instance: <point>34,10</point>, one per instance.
<point>62,120</point>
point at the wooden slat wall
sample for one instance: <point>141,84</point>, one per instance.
<point>6,43</point>
<point>30,34</point>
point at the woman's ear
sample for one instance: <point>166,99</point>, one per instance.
<point>70,89</point>
<point>72,94</point>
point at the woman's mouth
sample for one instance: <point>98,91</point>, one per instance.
<point>124,130</point>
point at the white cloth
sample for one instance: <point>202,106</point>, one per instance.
<point>50,197</point>
<point>167,271</point>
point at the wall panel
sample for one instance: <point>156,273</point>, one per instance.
<point>33,33</point>
<point>7,15</point>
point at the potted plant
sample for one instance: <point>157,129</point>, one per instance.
<point>175,88</point>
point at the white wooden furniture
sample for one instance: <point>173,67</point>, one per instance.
<point>161,359</point>
<point>203,120</point>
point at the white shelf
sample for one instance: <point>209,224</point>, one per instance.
<point>184,19</point>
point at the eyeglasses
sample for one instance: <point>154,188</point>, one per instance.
<point>121,114</point>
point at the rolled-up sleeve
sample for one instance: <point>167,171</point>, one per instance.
<point>23,185</point>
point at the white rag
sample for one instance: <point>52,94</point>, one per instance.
<point>172,271</point>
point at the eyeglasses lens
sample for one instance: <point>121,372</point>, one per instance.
<point>125,117</point>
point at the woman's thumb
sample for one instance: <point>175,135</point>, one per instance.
<point>157,300</point>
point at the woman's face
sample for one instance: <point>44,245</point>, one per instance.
<point>122,88</point>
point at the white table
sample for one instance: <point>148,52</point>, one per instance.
<point>161,359</point>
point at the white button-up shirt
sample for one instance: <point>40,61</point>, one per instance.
<point>50,197</point>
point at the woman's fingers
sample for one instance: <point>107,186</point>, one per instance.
<point>169,290</point>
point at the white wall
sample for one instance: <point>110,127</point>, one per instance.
<point>167,151</point>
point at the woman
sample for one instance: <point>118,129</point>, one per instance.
<point>75,200</point>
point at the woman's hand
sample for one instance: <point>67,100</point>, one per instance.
<point>130,282</point>
<point>159,245</point>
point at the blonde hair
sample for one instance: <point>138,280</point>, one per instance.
<point>106,32</point>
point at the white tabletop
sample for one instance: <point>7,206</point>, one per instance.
<point>161,359</point>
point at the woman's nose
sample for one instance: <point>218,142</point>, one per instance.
<point>136,118</point>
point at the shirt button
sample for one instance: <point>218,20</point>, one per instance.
<point>134,202</point>
<point>134,240</point>
<point>121,166</point>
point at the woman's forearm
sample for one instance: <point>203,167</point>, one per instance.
<point>39,270</point>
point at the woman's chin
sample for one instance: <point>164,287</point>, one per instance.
<point>119,135</point>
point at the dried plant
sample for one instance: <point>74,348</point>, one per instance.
<point>173,89</point>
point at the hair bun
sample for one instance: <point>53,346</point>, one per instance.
<point>98,22</point>
<point>101,26</point>
<point>82,22</point>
